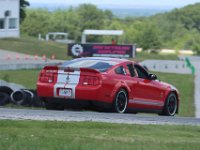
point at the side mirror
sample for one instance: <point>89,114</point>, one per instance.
<point>153,77</point>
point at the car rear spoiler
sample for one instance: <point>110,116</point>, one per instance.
<point>71,69</point>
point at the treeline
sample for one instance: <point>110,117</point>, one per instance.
<point>178,29</point>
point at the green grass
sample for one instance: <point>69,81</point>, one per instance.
<point>144,56</point>
<point>32,46</point>
<point>40,135</point>
<point>27,78</point>
<point>184,84</point>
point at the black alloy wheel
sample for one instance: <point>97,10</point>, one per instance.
<point>121,101</point>
<point>171,105</point>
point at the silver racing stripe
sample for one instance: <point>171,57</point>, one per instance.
<point>67,81</point>
<point>146,102</point>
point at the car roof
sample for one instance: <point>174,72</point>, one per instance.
<point>116,60</point>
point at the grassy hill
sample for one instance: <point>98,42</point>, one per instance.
<point>179,28</point>
<point>32,46</point>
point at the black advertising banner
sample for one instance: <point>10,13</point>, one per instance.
<point>101,50</point>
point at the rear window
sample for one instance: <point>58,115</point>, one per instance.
<point>100,65</point>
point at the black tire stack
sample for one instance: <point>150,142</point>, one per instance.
<point>24,97</point>
<point>5,93</point>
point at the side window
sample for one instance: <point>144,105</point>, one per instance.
<point>120,70</point>
<point>141,72</point>
<point>131,70</point>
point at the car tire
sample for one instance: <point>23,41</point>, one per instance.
<point>171,105</point>
<point>121,101</point>
<point>4,99</point>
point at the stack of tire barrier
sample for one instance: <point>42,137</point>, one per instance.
<point>5,93</point>
<point>24,97</point>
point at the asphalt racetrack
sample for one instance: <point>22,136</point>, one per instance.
<point>91,116</point>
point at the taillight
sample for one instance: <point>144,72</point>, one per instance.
<point>47,76</point>
<point>90,80</point>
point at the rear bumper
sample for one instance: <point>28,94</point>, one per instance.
<point>78,104</point>
<point>81,93</point>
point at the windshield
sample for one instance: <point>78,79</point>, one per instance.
<point>100,65</point>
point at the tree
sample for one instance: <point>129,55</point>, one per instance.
<point>66,21</point>
<point>37,21</point>
<point>149,38</point>
<point>23,5</point>
<point>178,29</point>
<point>90,17</point>
<point>108,15</point>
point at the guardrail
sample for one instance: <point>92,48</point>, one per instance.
<point>169,66</point>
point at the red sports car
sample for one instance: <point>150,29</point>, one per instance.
<point>119,84</point>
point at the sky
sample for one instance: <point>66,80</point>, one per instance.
<point>124,3</point>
